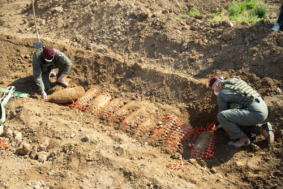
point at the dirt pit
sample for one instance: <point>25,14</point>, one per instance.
<point>150,88</point>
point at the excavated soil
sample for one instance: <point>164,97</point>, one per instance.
<point>151,72</point>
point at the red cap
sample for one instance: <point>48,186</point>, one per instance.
<point>48,53</point>
<point>212,80</point>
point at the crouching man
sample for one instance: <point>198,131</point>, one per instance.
<point>44,61</point>
<point>241,110</point>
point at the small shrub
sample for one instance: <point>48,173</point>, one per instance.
<point>250,4</point>
<point>260,12</point>
<point>252,13</point>
<point>243,7</point>
<point>236,8</point>
<point>194,11</point>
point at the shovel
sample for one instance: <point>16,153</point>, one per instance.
<point>38,44</point>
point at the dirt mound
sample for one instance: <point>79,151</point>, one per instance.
<point>151,71</point>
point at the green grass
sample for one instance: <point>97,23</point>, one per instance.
<point>182,16</point>
<point>261,12</point>
<point>245,18</point>
<point>239,11</point>
<point>246,11</point>
<point>251,4</point>
<point>237,8</point>
<point>194,11</point>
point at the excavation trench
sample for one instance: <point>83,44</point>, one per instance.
<point>138,82</point>
<point>156,107</point>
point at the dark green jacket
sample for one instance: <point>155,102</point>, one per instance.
<point>225,101</point>
<point>60,59</point>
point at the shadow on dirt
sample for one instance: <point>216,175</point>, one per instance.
<point>222,153</point>
<point>17,44</point>
<point>26,84</point>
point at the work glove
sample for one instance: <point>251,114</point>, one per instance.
<point>43,94</point>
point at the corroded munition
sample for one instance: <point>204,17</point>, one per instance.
<point>134,117</point>
<point>66,95</point>
<point>87,96</point>
<point>145,126</point>
<point>126,110</point>
<point>99,102</point>
<point>204,145</point>
<point>111,107</point>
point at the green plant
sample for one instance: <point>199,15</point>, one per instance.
<point>237,12</point>
<point>236,8</point>
<point>214,14</point>
<point>184,16</point>
<point>194,11</point>
<point>212,20</point>
<point>260,12</point>
<point>250,4</point>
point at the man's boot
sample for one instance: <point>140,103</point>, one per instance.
<point>266,131</point>
<point>237,143</point>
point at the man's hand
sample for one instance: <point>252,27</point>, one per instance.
<point>43,94</point>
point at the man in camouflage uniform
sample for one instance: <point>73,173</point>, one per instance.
<point>44,60</point>
<point>241,109</point>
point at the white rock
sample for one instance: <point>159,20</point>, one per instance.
<point>18,136</point>
<point>25,149</point>
<point>278,90</point>
<point>42,156</point>
<point>192,161</point>
<point>8,133</point>
<point>33,152</point>
<point>213,170</point>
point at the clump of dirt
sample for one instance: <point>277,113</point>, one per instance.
<point>152,71</point>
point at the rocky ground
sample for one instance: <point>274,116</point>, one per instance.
<point>148,68</point>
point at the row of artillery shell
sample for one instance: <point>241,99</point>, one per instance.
<point>118,109</point>
<point>132,115</point>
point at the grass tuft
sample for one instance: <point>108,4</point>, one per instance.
<point>251,4</point>
<point>194,11</point>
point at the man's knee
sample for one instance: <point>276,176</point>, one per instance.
<point>220,117</point>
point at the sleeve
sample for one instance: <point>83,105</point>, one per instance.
<point>65,61</point>
<point>222,104</point>
<point>37,72</point>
